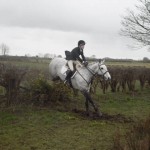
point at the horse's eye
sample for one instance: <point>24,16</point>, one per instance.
<point>102,68</point>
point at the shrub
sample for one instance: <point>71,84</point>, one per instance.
<point>138,138</point>
<point>10,79</point>
<point>42,92</point>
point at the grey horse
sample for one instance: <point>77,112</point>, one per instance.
<point>82,79</point>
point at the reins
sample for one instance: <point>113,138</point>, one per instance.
<point>83,77</point>
<point>92,72</point>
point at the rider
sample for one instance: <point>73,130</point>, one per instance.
<point>74,58</point>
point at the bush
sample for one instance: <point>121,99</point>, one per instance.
<point>10,79</point>
<point>138,138</point>
<point>26,86</point>
<point>43,92</point>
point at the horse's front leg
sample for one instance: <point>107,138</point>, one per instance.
<point>86,104</point>
<point>87,107</point>
<point>89,99</point>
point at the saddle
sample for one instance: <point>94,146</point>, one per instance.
<point>65,69</point>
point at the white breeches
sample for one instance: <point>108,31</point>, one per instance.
<point>71,62</point>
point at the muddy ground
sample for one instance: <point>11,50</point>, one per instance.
<point>106,117</point>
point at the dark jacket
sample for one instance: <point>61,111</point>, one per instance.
<point>74,54</point>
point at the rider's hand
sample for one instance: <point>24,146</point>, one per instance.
<point>85,63</point>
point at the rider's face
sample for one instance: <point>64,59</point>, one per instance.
<point>82,46</point>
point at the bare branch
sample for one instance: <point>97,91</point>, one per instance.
<point>4,49</point>
<point>137,25</point>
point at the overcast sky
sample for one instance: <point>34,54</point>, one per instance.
<point>53,26</point>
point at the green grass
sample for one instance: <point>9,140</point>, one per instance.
<point>43,129</point>
<point>26,64</point>
<point>134,107</point>
<point>31,62</point>
<point>31,128</point>
<point>131,64</point>
<point>2,90</point>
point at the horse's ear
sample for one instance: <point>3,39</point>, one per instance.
<point>103,61</point>
<point>99,60</point>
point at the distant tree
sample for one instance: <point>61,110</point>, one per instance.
<point>40,55</point>
<point>93,56</point>
<point>47,55</point>
<point>59,56</point>
<point>4,49</point>
<point>136,24</point>
<point>27,55</point>
<point>37,58</point>
<point>145,59</point>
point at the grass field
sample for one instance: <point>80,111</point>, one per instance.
<point>60,128</point>
<point>46,128</point>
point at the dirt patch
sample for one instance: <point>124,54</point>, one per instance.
<point>107,117</point>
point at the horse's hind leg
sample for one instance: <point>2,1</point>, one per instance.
<point>87,107</point>
<point>88,98</point>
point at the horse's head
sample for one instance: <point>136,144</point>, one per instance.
<point>102,70</point>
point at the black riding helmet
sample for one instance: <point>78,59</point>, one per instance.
<point>81,42</point>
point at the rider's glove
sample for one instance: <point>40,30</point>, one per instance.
<point>85,63</point>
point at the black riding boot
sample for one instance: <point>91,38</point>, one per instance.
<point>68,78</point>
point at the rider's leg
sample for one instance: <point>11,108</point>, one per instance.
<point>70,64</point>
<point>77,63</point>
<point>70,73</point>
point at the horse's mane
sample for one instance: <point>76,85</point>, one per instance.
<point>82,66</point>
<point>91,63</point>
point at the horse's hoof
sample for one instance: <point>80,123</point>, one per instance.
<point>99,114</point>
<point>87,114</point>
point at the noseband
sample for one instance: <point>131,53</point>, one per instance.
<point>102,71</point>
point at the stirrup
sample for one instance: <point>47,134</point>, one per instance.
<point>65,81</point>
<point>68,83</point>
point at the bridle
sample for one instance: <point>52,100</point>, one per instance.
<point>93,73</point>
<point>103,74</point>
